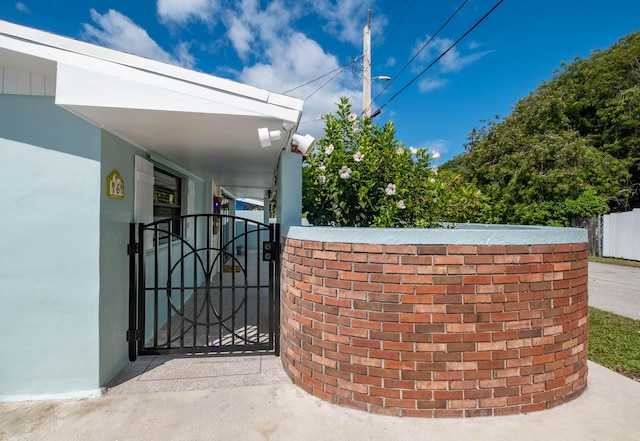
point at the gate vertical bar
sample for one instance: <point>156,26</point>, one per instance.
<point>169,290</point>
<point>133,329</point>
<point>259,277</point>
<point>156,306</point>
<point>220,262</point>
<point>141,287</point>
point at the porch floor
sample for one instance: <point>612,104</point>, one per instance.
<point>163,373</point>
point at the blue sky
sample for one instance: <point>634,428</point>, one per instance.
<point>282,44</point>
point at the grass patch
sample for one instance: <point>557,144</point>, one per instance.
<point>615,261</point>
<point>614,342</point>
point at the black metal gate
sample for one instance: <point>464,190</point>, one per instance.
<point>203,284</point>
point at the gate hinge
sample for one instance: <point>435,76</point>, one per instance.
<point>270,251</point>
<point>133,335</point>
<point>135,247</point>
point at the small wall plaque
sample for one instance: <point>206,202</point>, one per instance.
<point>115,185</point>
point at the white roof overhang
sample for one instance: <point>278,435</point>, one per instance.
<point>204,124</point>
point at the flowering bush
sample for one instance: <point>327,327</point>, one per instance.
<point>360,175</point>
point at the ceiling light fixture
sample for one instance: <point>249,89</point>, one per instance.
<point>305,143</point>
<point>266,136</point>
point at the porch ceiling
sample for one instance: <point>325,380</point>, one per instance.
<point>223,148</point>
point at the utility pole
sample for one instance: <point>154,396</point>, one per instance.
<point>366,68</point>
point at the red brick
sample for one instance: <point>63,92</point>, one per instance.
<point>352,257</point>
<point>492,249</point>
<point>385,278</point>
<point>400,249</point>
<point>383,258</point>
<point>399,269</point>
<point>476,280</point>
<point>341,266</point>
<point>423,280</point>
<point>416,260</point>
<point>368,267</point>
<point>367,248</point>
<point>333,246</point>
<point>463,249</point>
<point>448,260</point>
<point>485,260</point>
<point>432,249</point>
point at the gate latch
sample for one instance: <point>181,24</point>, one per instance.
<point>270,251</point>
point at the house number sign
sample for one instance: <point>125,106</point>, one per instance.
<point>115,185</point>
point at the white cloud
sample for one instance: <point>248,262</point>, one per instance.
<point>279,58</point>
<point>345,19</point>
<point>181,12</point>
<point>23,8</point>
<point>240,36</point>
<point>437,145</point>
<point>298,60</point>
<point>452,61</point>
<point>429,84</point>
<point>185,58</point>
<point>119,32</point>
<point>391,61</point>
<point>474,44</point>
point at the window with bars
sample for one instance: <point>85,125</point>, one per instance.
<point>167,201</point>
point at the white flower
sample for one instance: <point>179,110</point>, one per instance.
<point>401,205</point>
<point>358,157</point>
<point>435,169</point>
<point>354,127</point>
<point>400,151</point>
<point>345,172</point>
<point>323,168</point>
<point>322,179</point>
<point>352,117</point>
<point>391,189</point>
<point>436,155</point>
<point>329,149</point>
<point>413,150</point>
<point>432,180</point>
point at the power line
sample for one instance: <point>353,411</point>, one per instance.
<point>392,31</point>
<point>340,68</point>
<point>442,54</point>
<point>422,48</point>
<point>327,82</point>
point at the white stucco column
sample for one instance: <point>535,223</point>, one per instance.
<point>289,197</point>
<point>266,209</point>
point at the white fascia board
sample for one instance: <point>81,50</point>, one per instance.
<point>286,101</point>
<point>64,50</point>
<point>107,85</point>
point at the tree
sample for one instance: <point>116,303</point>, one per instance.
<point>360,175</point>
<point>569,149</point>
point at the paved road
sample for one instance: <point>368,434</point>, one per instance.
<point>615,288</point>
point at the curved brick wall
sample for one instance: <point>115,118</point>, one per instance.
<point>436,330</point>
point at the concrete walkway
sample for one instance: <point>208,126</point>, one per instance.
<point>250,398</point>
<point>609,410</point>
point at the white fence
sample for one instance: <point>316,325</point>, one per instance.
<point>621,235</point>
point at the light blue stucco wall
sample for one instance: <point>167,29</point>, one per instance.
<point>115,217</point>
<point>49,259</point>
<point>64,275</point>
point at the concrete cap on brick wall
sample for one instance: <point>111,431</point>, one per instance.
<point>460,234</point>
